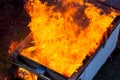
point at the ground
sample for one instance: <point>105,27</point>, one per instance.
<point>13,27</point>
<point>111,69</point>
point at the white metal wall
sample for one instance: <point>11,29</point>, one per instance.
<point>101,56</point>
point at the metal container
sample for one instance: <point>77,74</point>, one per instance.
<point>85,72</point>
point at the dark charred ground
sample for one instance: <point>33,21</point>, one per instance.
<point>13,27</point>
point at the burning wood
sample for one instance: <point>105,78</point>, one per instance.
<point>12,47</point>
<point>66,32</point>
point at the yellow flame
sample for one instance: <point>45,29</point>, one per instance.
<point>26,75</point>
<point>65,33</point>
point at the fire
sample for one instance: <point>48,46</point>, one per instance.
<point>12,47</point>
<point>25,75</point>
<point>65,32</point>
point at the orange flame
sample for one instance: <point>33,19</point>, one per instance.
<point>25,75</point>
<point>65,32</point>
<point>12,47</point>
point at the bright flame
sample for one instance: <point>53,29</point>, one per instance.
<point>25,75</point>
<point>65,33</point>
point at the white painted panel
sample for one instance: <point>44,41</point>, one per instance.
<point>101,56</point>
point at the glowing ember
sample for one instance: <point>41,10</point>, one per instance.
<point>65,32</point>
